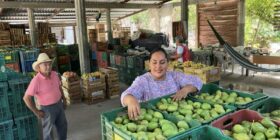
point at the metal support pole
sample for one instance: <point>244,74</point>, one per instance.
<point>109,26</point>
<point>31,21</point>
<point>184,17</point>
<point>82,36</point>
<point>241,23</point>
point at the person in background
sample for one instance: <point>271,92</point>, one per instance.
<point>158,82</point>
<point>46,87</point>
<point>182,52</point>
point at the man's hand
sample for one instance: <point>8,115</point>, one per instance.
<point>40,113</point>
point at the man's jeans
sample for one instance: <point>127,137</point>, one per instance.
<point>54,116</point>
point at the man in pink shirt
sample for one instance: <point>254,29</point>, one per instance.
<point>46,87</point>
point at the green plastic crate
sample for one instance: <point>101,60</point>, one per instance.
<point>110,132</point>
<point>2,61</point>
<point>212,88</point>
<point>112,59</point>
<point>266,106</point>
<point>205,132</point>
<point>62,50</point>
<point>131,61</point>
<point>15,97</point>
<point>10,56</point>
<point>4,106</point>
<point>23,128</point>
<point>153,102</point>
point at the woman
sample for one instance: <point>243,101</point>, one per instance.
<point>182,53</point>
<point>158,82</point>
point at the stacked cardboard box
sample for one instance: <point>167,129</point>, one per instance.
<point>112,82</point>
<point>94,87</point>
<point>92,35</point>
<point>5,37</point>
<point>71,88</point>
<point>101,34</point>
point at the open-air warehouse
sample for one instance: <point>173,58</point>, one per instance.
<point>139,69</point>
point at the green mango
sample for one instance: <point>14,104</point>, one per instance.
<point>258,127</point>
<point>181,130</point>
<point>152,136</point>
<point>126,121</point>
<point>132,127</point>
<point>224,96</point>
<point>183,124</point>
<point>206,106</point>
<point>169,100</point>
<point>199,111</point>
<point>183,111</point>
<point>142,137</point>
<point>152,126</point>
<point>227,132</point>
<point>259,136</point>
<point>141,128</point>
<point>218,92</point>
<point>144,122</point>
<point>266,122</point>
<point>148,117</point>
<point>238,129</point>
<point>205,113</point>
<point>270,133</point>
<point>143,111</point>
<point>172,108</point>
<point>157,131</point>
<point>214,114</point>
<point>233,94</point>
<point>196,105</point>
<point>241,136</point>
<point>275,113</point>
<point>220,109</point>
<point>118,120</point>
<point>163,100</point>
<point>154,120</point>
<point>160,137</point>
<point>150,111</point>
<point>278,133</point>
<point>273,139</point>
<point>209,98</point>
<point>169,133</point>
<point>188,118</point>
<point>246,124</point>
<point>188,107</point>
<point>162,107</point>
<point>248,99</point>
<point>158,115</point>
<point>180,117</point>
<point>230,100</point>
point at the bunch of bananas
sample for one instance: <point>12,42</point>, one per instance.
<point>87,76</point>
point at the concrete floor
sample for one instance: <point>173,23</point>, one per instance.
<point>84,120</point>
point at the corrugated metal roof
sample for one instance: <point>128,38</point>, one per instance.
<point>9,14</point>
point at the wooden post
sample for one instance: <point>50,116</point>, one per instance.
<point>241,23</point>
<point>185,16</point>
<point>82,34</point>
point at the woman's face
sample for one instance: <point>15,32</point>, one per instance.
<point>158,65</point>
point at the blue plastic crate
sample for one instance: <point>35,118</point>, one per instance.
<point>16,103</point>
<point>24,128</point>
<point>4,106</point>
<point>29,55</point>
<point>26,66</point>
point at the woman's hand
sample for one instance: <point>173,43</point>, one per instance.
<point>133,107</point>
<point>183,93</point>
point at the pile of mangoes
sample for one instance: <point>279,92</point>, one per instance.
<point>263,130</point>
<point>188,110</point>
<point>275,115</point>
<point>224,98</point>
<point>150,125</point>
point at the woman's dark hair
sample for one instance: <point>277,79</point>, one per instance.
<point>159,49</point>
<point>180,39</point>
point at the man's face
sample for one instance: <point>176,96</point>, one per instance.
<point>45,67</point>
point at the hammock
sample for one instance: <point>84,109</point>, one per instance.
<point>238,57</point>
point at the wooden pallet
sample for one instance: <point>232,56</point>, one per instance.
<point>94,100</point>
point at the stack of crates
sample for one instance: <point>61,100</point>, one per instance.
<point>27,58</point>
<point>63,58</point>
<point>17,122</point>
<point>102,59</point>
<point>72,89</point>
<point>93,87</point>
<point>112,82</point>
<point>51,52</point>
<point>11,58</point>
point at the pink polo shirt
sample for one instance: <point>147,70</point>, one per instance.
<point>46,90</point>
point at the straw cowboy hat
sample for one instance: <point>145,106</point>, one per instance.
<point>43,57</point>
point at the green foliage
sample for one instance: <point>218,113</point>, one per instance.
<point>259,23</point>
